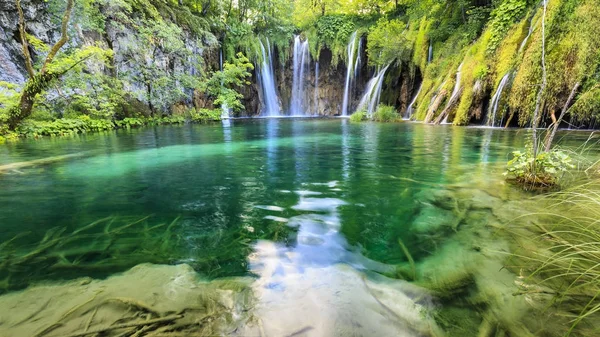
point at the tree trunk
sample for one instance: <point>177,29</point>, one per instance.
<point>556,124</point>
<point>538,105</point>
<point>36,83</point>
<point>33,87</point>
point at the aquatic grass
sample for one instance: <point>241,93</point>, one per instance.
<point>88,249</point>
<point>565,264</point>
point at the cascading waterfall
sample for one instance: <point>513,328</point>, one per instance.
<point>316,93</point>
<point>271,108</point>
<point>225,111</point>
<point>495,102</point>
<point>370,99</point>
<point>455,93</point>
<point>349,72</point>
<point>301,59</point>
<point>430,53</point>
<point>409,110</point>
<point>358,62</point>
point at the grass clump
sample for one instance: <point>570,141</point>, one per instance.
<point>562,271</point>
<point>386,114</point>
<point>358,116</point>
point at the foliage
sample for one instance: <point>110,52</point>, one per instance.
<point>222,84</point>
<point>386,114</point>
<point>358,116</point>
<point>386,43</point>
<point>62,127</point>
<point>333,32</point>
<point>502,18</point>
<point>8,97</point>
<point>204,115</point>
<point>546,171</point>
<point>86,124</point>
<point>559,258</point>
<point>588,104</point>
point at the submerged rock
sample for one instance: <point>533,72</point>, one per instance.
<point>431,219</point>
<point>332,300</point>
<point>146,292</point>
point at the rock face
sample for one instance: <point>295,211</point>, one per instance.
<point>11,59</point>
<point>331,83</point>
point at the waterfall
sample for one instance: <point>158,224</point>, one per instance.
<point>316,94</point>
<point>455,93</point>
<point>358,62</point>
<point>301,58</point>
<point>409,110</point>
<point>370,99</point>
<point>349,71</point>
<point>531,26</point>
<point>495,102</point>
<point>271,108</point>
<point>225,111</point>
<point>430,53</point>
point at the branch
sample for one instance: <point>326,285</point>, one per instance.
<point>24,44</point>
<point>538,103</point>
<point>556,123</point>
<point>63,38</point>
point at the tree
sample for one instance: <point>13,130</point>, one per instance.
<point>52,68</point>
<point>538,106</point>
<point>222,84</point>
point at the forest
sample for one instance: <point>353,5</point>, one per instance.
<point>299,168</point>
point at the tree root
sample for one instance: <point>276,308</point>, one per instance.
<point>127,325</point>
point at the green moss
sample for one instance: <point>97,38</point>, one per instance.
<point>474,69</point>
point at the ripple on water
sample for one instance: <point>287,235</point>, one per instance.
<point>315,287</point>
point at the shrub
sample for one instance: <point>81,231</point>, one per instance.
<point>386,114</point>
<point>204,115</point>
<point>545,172</point>
<point>358,116</point>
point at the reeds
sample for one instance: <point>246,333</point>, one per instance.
<point>103,246</point>
<point>564,261</point>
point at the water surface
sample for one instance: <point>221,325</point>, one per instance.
<point>278,199</point>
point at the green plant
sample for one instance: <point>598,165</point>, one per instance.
<point>222,84</point>
<point>204,115</point>
<point>503,17</point>
<point>386,114</point>
<point>358,116</point>
<point>543,172</point>
<point>560,264</point>
<point>387,43</point>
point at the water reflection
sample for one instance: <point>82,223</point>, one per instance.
<point>314,286</point>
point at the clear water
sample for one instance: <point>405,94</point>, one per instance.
<point>268,198</point>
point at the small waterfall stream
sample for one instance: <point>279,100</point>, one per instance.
<point>271,108</point>
<point>495,102</point>
<point>370,99</point>
<point>301,59</point>
<point>531,27</point>
<point>316,93</point>
<point>455,94</point>
<point>349,72</point>
<point>409,110</point>
<point>430,53</point>
<point>358,62</point>
<point>225,110</point>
